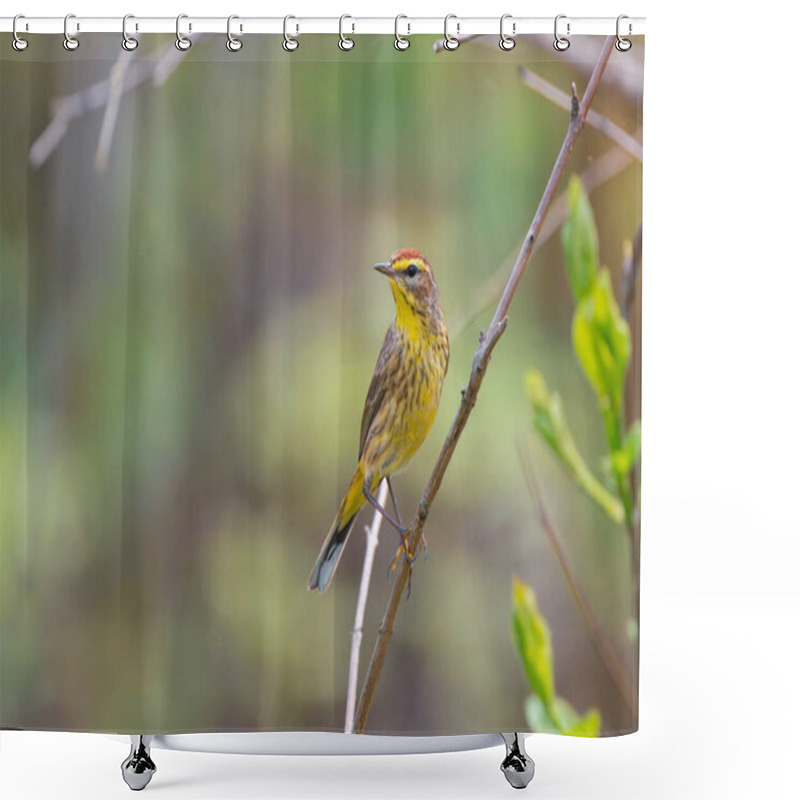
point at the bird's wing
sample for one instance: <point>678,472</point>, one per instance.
<point>381,381</point>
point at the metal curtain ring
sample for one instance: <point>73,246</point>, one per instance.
<point>18,43</point>
<point>71,43</point>
<point>345,42</point>
<point>561,43</point>
<point>290,43</point>
<point>450,42</point>
<point>182,42</point>
<point>400,42</point>
<point>506,41</point>
<point>129,43</point>
<point>623,45</point>
<point>233,44</point>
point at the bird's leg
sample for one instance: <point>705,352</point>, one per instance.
<point>373,501</point>
<point>403,534</point>
<point>403,550</point>
<point>391,494</point>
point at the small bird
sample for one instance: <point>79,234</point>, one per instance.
<point>401,402</point>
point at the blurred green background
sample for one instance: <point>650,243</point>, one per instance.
<point>187,340</point>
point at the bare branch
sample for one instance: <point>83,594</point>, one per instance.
<point>623,678</point>
<point>112,110</point>
<point>358,625</point>
<point>602,170</point>
<point>101,95</point>
<point>593,118</point>
<point>624,78</point>
<point>170,60</point>
<point>630,272</point>
<point>438,45</point>
<point>470,393</point>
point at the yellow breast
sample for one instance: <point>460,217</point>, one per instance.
<point>421,375</point>
<point>413,372</point>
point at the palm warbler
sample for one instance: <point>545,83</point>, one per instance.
<point>401,402</point>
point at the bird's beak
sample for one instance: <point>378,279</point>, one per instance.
<point>385,269</point>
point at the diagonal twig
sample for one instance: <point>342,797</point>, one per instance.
<point>593,118</point>
<point>470,393</point>
<point>438,45</point>
<point>115,83</point>
<point>581,52</point>
<point>361,606</point>
<point>623,678</point>
<point>602,170</point>
<point>630,272</point>
<point>65,110</point>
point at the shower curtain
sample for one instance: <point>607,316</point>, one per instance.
<point>191,322</point>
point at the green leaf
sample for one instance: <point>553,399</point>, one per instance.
<point>561,718</point>
<point>531,637</point>
<point>550,422</point>
<point>602,342</point>
<point>588,725</point>
<point>600,334</point>
<point>538,716</point>
<point>544,710</point>
<point>622,460</point>
<point>579,240</point>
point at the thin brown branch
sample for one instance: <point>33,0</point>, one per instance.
<point>470,393</point>
<point>625,77</point>
<point>593,118</point>
<point>116,80</point>
<point>630,272</point>
<point>171,59</point>
<point>623,678</point>
<point>438,45</point>
<point>602,170</point>
<point>102,94</point>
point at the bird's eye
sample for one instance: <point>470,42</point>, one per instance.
<point>412,270</point>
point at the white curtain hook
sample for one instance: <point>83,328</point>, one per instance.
<point>507,42</point>
<point>182,42</point>
<point>400,42</point>
<point>450,42</point>
<point>71,42</point>
<point>233,44</point>
<point>561,43</point>
<point>129,43</point>
<point>345,42</point>
<point>18,43</point>
<point>623,45</point>
<point>290,43</point>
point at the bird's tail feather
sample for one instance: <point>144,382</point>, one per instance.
<point>333,546</point>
